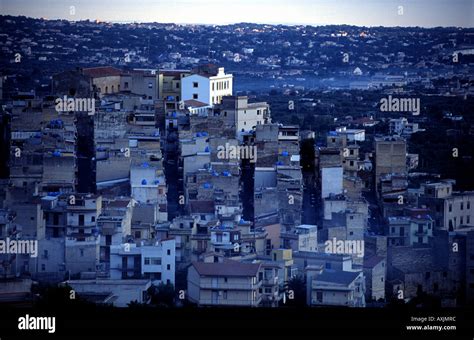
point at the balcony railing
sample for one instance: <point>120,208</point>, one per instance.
<point>230,286</point>
<point>231,302</point>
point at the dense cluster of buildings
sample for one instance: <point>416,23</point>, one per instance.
<point>150,177</point>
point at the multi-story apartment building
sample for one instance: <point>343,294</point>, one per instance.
<point>169,84</point>
<point>207,84</point>
<point>228,283</point>
<point>149,260</point>
<point>335,287</point>
<point>390,156</point>
<point>83,238</point>
<point>244,116</point>
<point>449,209</point>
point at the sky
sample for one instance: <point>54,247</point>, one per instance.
<point>424,13</point>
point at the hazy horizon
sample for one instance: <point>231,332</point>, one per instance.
<point>371,13</point>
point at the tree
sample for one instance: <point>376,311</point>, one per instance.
<point>297,288</point>
<point>162,295</point>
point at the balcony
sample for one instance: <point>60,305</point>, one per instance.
<point>270,281</point>
<point>421,233</point>
<point>231,302</point>
<point>82,240</point>
<point>231,286</point>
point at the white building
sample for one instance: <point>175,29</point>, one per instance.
<point>195,107</point>
<point>154,262</point>
<point>208,84</point>
<point>353,135</point>
<point>335,288</point>
<point>244,116</point>
<point>148,184</point>
<point>401,126</point>
<point>331,181</point>
<point>307,237</point>
<point>228,283</point>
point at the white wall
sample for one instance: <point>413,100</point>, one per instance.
<point>331,181</point>
<point>203,90</point>
<point>209,90</point>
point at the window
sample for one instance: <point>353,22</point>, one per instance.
<point>126,84</point>
<point>319,296</point>
<point>168,267</point>
<point>92,218</point>
<point>147,260</point>
<point>225,279</point>
<point>450,207</point>
<point>177,85</point>
<point>195,96</point>
<point>168,252</point>
<point>82,252</point>
<point>468,204</point>
<point>43,267</point>
<point>213,88</point>
<point>195,84</point>
<point>462,206</point>
<point>225,295</point>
